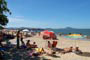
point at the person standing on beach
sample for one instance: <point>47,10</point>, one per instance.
<point>21,38</point>
<point>1,38</point>
<point>39,33</point>
<point>18,36</point>
<point>22,42</point>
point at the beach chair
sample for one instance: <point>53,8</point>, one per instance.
<point>54,44</point>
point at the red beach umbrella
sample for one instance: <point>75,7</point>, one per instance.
<point>48,34</point>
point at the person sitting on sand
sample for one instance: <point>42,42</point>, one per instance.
<point>28,44</point>
<point>34,45</point>
<point>77,51</point>
<point>66,50</point>
<point>49,44</point>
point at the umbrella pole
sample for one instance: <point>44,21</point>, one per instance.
<point>76,43</point>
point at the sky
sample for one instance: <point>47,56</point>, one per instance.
<point>49,13</point>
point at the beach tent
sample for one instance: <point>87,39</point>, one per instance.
<point>25,30</point>
<point>48,34</point>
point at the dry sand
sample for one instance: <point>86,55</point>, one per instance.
<point>63,43</point>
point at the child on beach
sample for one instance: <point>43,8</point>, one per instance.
<point>34,45</point>
<point>49,44</point>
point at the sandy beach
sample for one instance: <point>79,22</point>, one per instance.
<point>44,30</point>
<point>64,43</point>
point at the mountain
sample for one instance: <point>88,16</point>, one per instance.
<point>70,30</point>
<point>59,30</point>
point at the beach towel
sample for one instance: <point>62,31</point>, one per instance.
<point>3,49</point>
<point>23,47</point>
<point>40,50</point>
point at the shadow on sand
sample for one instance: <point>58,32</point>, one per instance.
<point>55,56</point>
<point>86,54</point>
<point>36,58</point>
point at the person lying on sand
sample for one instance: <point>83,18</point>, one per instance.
<point>36,52</point>
<point>58,50</point>
<point>77,51</point>
<point>66,50</point>
<point>49,52</point>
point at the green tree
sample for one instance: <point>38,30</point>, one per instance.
<point>1,27</point>
<point>3,10</point>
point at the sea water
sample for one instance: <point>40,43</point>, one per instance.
<point>67,31</point>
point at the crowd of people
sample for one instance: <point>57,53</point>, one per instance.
<point>34,50</point>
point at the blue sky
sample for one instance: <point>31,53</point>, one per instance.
<point>49,13</point>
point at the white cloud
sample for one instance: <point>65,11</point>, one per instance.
<point>19,16</point>
<point>22,22</point>
<point>15,20</point>
<point>19,22</point>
